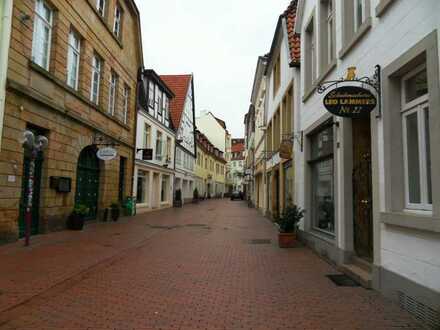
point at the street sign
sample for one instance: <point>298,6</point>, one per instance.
<point>350,102</point>
<point>106,154</point>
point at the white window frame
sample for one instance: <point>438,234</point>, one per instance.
<point>159,146</point>
<point>100,10</point>
<point>151,97</point>
<point>113,83</point>
<point>38,38</point>
<point>419,106</point>
<point>117,21</point>
<point>73,59</point>
<point>147,136</point>
<point>126,99</point>
<point>96,73</point>
<point>363,13</point>
<point>330,22</point>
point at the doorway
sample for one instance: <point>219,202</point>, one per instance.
<point>87,181</point>
<point>362,189</point>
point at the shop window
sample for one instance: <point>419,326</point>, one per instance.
<point>322,174</point>
<point>416,140</point>
<point>142,187</point>
<point>164,189</point>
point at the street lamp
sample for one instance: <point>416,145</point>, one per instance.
<point>33,145</point>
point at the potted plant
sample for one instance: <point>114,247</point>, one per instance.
<point>76,218</point>
<point>288,223</point>
<point>195,196</point>
<point>178,198</point>
<point>115,211</point>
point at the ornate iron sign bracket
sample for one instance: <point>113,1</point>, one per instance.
<point>374,82</point>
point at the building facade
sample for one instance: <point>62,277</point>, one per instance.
<point>72,77</point>
<point>210,169</point>
<point>182,111</point>
<point>283,77</point>
<point>237,166</point>
<point>216,131</point>
<point>155,145</point>
<point>249,164</point>
<point>371,186</point>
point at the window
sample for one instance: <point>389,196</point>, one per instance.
<point>142,187</point>
<point>159,146</point>
<point>206,163</point>
<point>125,105</point>
<point>356,19</point>
<point>100,7</point>
<point>73,53</point>
<point>112,93</point>
<point>178,156</point>
<point>156,100</point>
<point>276,75</point>
<point>416,140</point>
<point>42,34</point>
<point>159,103</point>
<point>168,150</point>
<point>96,79</point>
<point>151,94</point>
<point>321,167</point>
<point>328,34</point>
<point>164,189</point>
<point>117,22</point>
<point>147,134</point>
<point>359,13</point>
<point>310,55</point>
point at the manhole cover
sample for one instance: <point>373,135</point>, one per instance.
<point>342,280</point>
<point>259,241</point>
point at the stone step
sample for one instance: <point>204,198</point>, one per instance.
<point>362,263</point>
<point>358,274</point>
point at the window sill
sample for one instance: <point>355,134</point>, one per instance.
<point>309,92</point>
<point>118,41</point>
<point>326,72</point>
<point>411,220</point>
<point>35,67</point>
<point>364,28</point>
<point>382,7</point>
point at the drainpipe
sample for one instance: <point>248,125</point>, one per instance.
<point>5,34</point>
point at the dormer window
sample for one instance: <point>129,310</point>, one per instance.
<point>100,7</point>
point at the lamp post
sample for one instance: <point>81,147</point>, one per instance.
<point>33,145</point>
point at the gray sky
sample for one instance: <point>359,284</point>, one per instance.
<point>218,41</point>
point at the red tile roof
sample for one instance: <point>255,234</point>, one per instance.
<point>238,147</point>
<point>179,84</point>
<point>294,39</point>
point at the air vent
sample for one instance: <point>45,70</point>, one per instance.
<point>419,310</point>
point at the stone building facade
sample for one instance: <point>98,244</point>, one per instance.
<point>72,77</point>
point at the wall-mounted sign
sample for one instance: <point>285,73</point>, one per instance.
<point>350,101</point>
<point>147,154</point>
<point>286,148</point>
<point>107,153</point>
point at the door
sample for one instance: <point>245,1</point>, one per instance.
<point>36,195</point>
<point>87,182</point>
<point>362,189</point>
<point>122,166</point>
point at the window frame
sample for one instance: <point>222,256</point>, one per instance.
<point>39,4</point>
<point>126,103</point>
<point>113,87</point>
<point>146,135</point>
<point>98,9</point>
<point>73,50</point>
<point>117,21</point>
<point>98,71</point>
<point>159,146</point>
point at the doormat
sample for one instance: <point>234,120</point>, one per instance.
<point>342,280</point>
<point>259,241</point>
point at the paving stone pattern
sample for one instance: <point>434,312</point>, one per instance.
<point>189,268</point>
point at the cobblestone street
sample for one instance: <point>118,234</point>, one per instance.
<point>192,268</point>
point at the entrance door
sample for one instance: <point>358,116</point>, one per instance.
<point>87,182</point>
<point>35,197</point>
<point>362,189</point>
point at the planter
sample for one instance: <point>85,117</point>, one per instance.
<point>115,213</point>
<point>75,222</point>
<point>287,240</point>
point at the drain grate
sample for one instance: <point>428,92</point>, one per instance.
<point>342,280</point>
<point>419,310</point>
<point>259,241</point>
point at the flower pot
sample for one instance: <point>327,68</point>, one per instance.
<point>287,240</point>
<point>115,212</point>
<point>75,222</point>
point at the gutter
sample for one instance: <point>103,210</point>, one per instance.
<point>5,35</point>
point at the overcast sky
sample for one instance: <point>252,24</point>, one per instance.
<point>218,41</point>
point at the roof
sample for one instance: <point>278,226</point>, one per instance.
<point>153,75</point>
<point>179,85</point>
<point>293,38</point>
<point>221,122</point>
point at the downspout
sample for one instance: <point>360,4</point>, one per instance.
<point>5,34</point>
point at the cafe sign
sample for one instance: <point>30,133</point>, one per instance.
<point>350,101</point>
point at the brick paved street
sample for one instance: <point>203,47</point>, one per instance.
<point>190,268</point>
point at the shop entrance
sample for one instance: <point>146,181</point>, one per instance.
<point>362,189</point>
<point>87,181</point>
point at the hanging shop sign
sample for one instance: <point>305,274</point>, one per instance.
<point>353,100</point>
<point>107,153</point>
<point>350,101</point>
<point>147,154</point>
<point>286,148</point>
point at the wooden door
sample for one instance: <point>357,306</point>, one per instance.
<point>362,189</point>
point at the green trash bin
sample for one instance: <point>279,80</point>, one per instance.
<point>130,206</point>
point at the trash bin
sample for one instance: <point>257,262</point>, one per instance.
<point>130,206</point>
